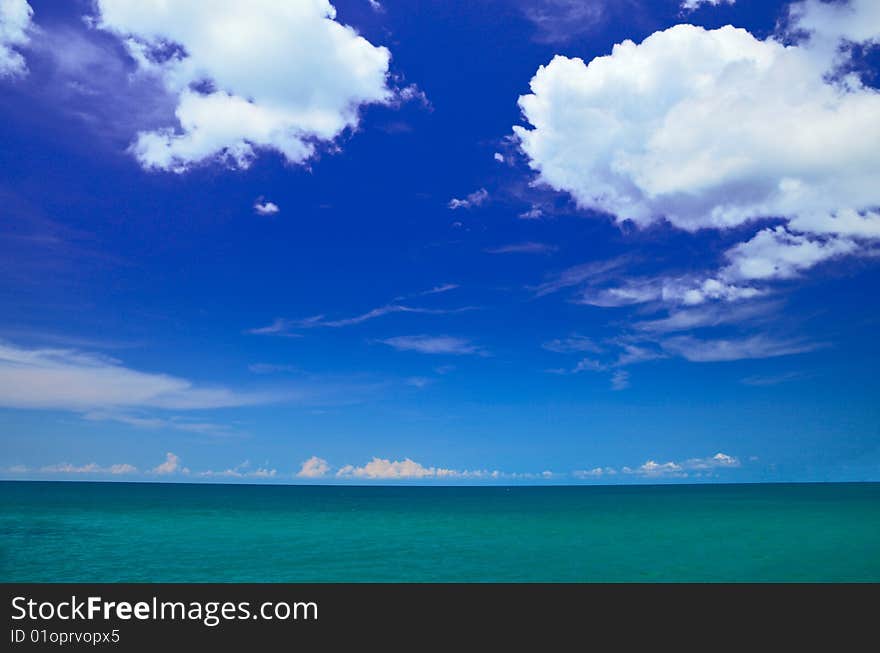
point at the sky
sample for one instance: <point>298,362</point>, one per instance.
<point>487,242</point>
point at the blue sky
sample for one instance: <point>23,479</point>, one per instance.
<point>459,242</point>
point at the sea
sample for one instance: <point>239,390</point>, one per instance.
<point>155,532</point>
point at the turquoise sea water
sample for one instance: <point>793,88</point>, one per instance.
<point>107,532</point>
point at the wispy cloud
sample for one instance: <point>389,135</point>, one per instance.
<point>620,380</point>
<point>572,344</point>
<point>91,468</point>
<point>523,248</point>
<point>708,316</point>
<point>278,327</point>
<point>148,422</point>
<point>434,345</point>
<point>773,379</point>
<point>477,198</point>
<point>74,380</point>
<point>758,346</point>
<point>388,309</point>
<point>577,275</point>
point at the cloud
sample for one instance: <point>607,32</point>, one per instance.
<point>278,327</point>
<point>476,198</point>
<point>170,466</point>
<point>266,208</point>
<point>620,380</point>
<point>498,157</point>
<point>176,423</point>
<point>523,248</point>
<point>433,344</point>
<point>684,319</point>
<point>247,77</point>
<point>320,321</point>
<point>717,128</point>
<point>691,5</point>
<point>779,254</point>
<point>91,468</point>
<point>593,272</point>
<point>15,28</point>
<point>73,380</point>
<point>773,379</point>
<point>240,471</point>
<point>757,346</point>
<point>596,472</point>
<point>703,128</point>
<point>559,21</point>
<point>314,467</point>
<point>572,344</point>
<point>682,469</point>
<point>407,469</point>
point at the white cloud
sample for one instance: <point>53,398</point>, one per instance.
<point>314,467</point>
<point>596,472</point>
<point>477,198</point>
<point>15,27</point>
<point>779,254</point>
<point>69,379</point>
<point>266,208</point>
<point>498,157</point>
<point>653,469</point>
<point>170,466</point>
<point>247,76</point>
<point>690,5</point>
<point>716,128</point>
<point>91,468</point>
<point>385,469</point>
<point>705,128</point>
<point>433,344</point>
<point>683,319</point>
<point>240,471</point>
<point>758,346</point>
<point>523,248</point>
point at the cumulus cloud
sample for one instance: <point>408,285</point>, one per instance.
<point>703,128</point>
<point>15,28</point>
<point>266,208</point>
<point>170,466</point>
<point>716,128</point>
<point>73,380</point>
<point>681,469</point>
<point>385,469</point>
<point>477,198</point>
<point>246,77</point>
<point>779,254</point>
<point>314,467</point>
<point>433,344</point>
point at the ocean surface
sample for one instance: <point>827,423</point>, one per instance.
<point>105,532</point>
